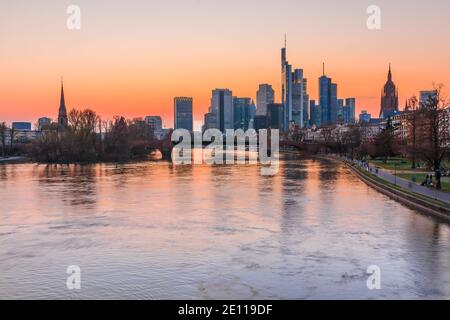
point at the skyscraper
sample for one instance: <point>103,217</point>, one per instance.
<point>327,100</point>
<point>340,111</point>
<point>297,97</point>
<point>264,97</point>
<point>183,113</point>
<point>389,98</point>
<point>62,113</point>
<point>350,104</point>
<point>305,103</point>
<point>222,106</point>
<point>315,117</point>
<point>241,113</point>
<point>286,89</point>
<point>274,115</point>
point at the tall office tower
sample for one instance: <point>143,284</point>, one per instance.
<point>340,111</point>
<point>327,100</point>
<point>183,113</point>
<point>389,98</point>
<point>324,99</point>
<point>241,111</point>
<point>350,103</point>
<point>62,113</point>
<point>333,103</point>
<point>286,89</point>
<point>274,115</point>
<point>264,96</point>
<point>315,114</point>
<point>297,97</point>
<point>345,114</point>
<point>305,103</point>
<point>222,106</point>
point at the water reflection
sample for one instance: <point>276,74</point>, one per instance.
<point>154,230</point>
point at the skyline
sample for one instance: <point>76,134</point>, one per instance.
<point>109,68</point>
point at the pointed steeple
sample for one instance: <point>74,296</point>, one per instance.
<point>62,101</point>
<point>62,113</point>
<point>390,73</point>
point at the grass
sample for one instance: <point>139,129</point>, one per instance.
<point>392,164</point>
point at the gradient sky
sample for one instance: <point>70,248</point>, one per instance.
<point>132,57</point>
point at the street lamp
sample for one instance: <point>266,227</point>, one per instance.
<point>395,173</point>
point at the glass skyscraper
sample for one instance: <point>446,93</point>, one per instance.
<point>183,113</point>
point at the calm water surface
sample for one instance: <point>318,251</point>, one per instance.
<point>154,231</point>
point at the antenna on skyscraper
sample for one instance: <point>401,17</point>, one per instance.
<point>323,68</point>
<point>285,40</point>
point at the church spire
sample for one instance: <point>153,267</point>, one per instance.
<point>62,113</point>
<point>390,73</point>
<point>62,102</point>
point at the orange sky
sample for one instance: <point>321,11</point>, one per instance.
<point>132,57</point>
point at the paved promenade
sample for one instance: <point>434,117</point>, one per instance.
<point>406,184</point>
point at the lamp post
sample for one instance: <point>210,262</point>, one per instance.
<point>395,173</point>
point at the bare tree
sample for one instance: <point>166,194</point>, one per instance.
<point>433,138</point>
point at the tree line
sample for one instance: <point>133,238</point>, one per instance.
<point>88,138</point>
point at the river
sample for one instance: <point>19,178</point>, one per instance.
<point>156,231</point>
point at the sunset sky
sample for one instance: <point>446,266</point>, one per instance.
<point>132,57</point>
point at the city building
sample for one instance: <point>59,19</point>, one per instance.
<point>62,112</point>
<point>340,111</point>
<point>300,99</point>
<point>327,100</point>
<point>44,123</point>
<point>222,106</point>
<point>370,130</point>
<point>210,121</point>
<point>286,89</point>
<point>350,104</point>
<point>264,96</point>
<point>155,122</point>
<point>294,96</point>
<point>389,98</point>
<point>305,103</point>
<point>365,117</point>
<point>315,117</point>
<point>426,95</point>
<point>275,116</point>
<point>260,122</point>
<point>22,126</point>
<point>183,114</point>
<point>242,113</point>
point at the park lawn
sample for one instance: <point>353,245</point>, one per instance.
<point>420,177</point>
<point>392,164</point>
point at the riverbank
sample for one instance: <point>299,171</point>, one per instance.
<point>10,160</point>
<point>416,201</point>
